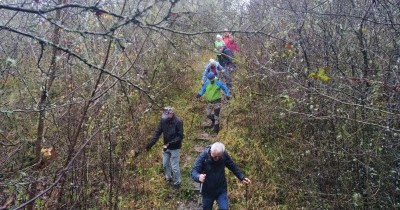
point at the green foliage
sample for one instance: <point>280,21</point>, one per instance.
<point>320,74</point>
<point>307,139</point>
<point>287,102</point>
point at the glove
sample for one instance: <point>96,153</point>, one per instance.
<point>228,98</point>
<point>198,96</point>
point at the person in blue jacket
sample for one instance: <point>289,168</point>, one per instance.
<point>212,90</point>
<point>209,170</point>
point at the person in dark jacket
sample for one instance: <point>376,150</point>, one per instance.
<point>171,127</point>
<point>209,170</point>
<point>226,61</point>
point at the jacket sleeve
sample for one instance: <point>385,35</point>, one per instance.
<point>220,68</point>
<point>228,55</point>
<point>179,132</point>
<point>198,166</point>
<point>156,135</point>
<point>235,46</point>
<point>204,77</point>
<point>232,167</point>
<point>223,87</point>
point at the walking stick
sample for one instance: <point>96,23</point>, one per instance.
<point>200,201</point>
<point>246,196</point>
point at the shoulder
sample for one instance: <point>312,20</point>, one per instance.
<point>206,151</point>
<point>178,119</point>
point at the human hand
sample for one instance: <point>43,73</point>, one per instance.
<point>202,178</point>
<point>165,147</point>
<point>228,98</point>
<point>246,181</point>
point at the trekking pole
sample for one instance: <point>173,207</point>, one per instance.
<point>200,197</point>
<point>246,196</point>
<point>191,122</point>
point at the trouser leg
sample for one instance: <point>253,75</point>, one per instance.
<point>213,110</point>
<point>207,202</point>
<point>216,117</point>
<point>176,172</point>
<point>167,165</point>
<point>222,201</point>
<point>217,111</point>
<point>227,75</point>
<point>210,115</point>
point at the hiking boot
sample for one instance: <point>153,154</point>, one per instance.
<point>216,129</point>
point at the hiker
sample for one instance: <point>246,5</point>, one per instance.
<point>212,89</point>
<point>218,42</point>
<point>229,41</point>
<point>209,170</point>
<point>171,127</point>
<point>214,67</point>
<point>226,36</point>
<point>226,61</point>
<point>232,45</point>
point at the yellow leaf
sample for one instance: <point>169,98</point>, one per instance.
<point>322,75</point>
<point>364,29</point>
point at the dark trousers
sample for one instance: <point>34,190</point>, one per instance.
<point>222,201</point>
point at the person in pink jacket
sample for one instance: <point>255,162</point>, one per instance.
<point>229,41</point>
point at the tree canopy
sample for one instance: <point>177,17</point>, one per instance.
<point>314,120</point>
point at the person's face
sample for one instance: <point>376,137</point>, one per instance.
<point>167,116</point>
<point>216,156</point>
